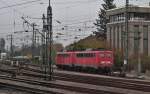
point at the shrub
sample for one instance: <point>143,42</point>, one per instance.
<point>118,60</point>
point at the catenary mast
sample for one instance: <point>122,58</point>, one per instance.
<point>49,39</point>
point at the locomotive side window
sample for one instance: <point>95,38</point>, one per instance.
<point>63,55</point>
<point>102,55</point>
<point>85,55</point>
<point>80,55</point>
<point>89,55</point>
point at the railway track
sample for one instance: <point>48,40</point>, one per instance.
<point>6,82</point>
<point>113,82</point>
<point>77,88</point>
<point>94,80</point>
<point>119,83</point>
<point>66,89</point>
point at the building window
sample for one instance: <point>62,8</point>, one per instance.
<point>145,40</point>
<point>110,34</point>
<point>136,38</point>
<point>118,37</point>
<point>114,36</point>
<point>110,19</point>
<point>122,36</point>
<point>123,17</point>
<point>131,16</point>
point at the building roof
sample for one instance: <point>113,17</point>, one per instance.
<point>132,8</point>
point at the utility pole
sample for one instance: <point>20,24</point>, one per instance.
<point>33,40</point>
<point>44,49</point>
<point>126,40</point>
<point>139,56</point>
<point>11,45</point>
<point>50,41</point>
<point>33,35</point>
<point>10,37</point>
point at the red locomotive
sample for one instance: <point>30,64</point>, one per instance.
<point>98,60</point>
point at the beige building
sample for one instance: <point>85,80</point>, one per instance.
<point>139,29</point>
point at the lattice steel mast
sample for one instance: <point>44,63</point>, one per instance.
<point>49,39</point>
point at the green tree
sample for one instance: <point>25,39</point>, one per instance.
<point>101,21</point>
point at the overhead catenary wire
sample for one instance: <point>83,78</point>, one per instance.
<point>19,4</point>
<point>72,23</point>
<point>73,2</point>
<point>23,14</point>
<point>15,10</point>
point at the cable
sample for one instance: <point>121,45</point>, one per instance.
<point>73,2</point>
<point>20,13</point>
<point>10,24</point>
<point>19,4</point>
<point>15,10</point>
<point>75,23</point>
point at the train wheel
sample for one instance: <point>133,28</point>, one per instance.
<point>58,66</point>
<point>92,70</point>
<point>78,69</point>
<point>61,66</point>
<point>73,68</point>
<point>84,69</point>
<point>106,71</point>
<point>111,71</point>
<point>88,69</point>
<point>99,70</point>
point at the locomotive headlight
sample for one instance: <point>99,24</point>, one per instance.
<point>103,62</point>
<point>108,62</point>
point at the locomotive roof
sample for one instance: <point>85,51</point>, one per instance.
<point>83,52</point>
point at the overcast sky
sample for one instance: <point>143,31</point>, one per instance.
<point>74,14</point>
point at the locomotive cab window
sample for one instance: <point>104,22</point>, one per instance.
<point>108,55</point>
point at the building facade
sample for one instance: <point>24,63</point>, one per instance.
<point>138,31</point>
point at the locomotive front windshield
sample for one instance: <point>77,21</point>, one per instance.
<point>109,55</point>
<point>105,55</point>
<point>102,55</point>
